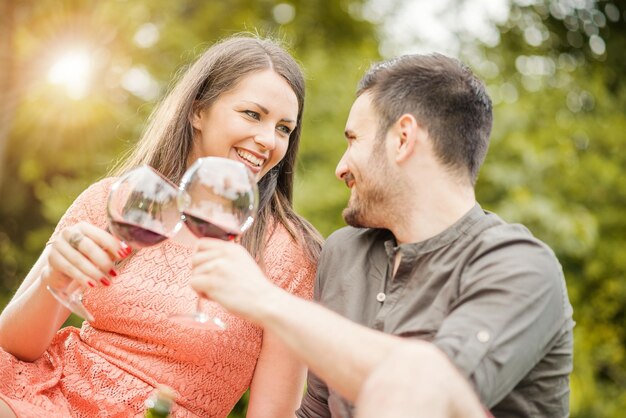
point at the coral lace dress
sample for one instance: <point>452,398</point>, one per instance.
<point>108,368</point>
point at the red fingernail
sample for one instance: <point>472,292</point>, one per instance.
<point>105,281</point>
<point>126,248</point>
<point>113,273</point>
<point>122,253</point>
<point>91,284</point>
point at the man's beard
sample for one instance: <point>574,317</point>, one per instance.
<point>366,203</point>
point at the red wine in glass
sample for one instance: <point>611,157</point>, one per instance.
<point>218,198</point>
<point>135,236</point>
<point>203,228</point>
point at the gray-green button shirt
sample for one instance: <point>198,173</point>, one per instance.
<point>487,293</point>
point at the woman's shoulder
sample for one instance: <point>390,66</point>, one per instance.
<point>280,240</point>
<point>285,258</point>
<point>95,192</point>
<point>100,187</point>
<point>291,239</point>
<point>94,198</point>
<point>89,206</point>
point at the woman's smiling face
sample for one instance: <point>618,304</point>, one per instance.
<point>250,123</point>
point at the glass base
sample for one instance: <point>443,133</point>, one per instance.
<point>199,320</point>
<point>72,301</point>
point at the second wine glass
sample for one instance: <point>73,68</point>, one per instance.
<point>218,198</point>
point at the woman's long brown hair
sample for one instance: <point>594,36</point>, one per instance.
<point>167,141</point>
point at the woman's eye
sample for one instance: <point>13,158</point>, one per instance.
<point>284,129</point>
<point>252,114</point>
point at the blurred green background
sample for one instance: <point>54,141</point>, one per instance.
<point>78,78</point>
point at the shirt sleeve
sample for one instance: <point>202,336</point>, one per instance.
<point>315,401</point>
<point>512,307</point>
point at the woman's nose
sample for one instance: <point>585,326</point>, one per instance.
<point>266,138</point>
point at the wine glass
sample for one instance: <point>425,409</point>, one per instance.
<point>142,211</point>
<point>142,208</point>
<point>218,198</point>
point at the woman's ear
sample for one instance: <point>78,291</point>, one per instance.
<point>197,115</point>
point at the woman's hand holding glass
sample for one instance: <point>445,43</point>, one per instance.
<point>142,211</point>
<point>82,256</point>
<point>218,199</point>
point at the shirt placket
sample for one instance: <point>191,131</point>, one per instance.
<point>391,289</point>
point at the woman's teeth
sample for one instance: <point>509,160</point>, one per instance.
<point>252,159</point>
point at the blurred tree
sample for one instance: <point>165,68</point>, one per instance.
<point>7,23</point>
<point>556,164</point>
<point>78,79</point>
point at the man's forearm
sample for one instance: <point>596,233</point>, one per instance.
<point>418,380</point>
<point>336,349</point>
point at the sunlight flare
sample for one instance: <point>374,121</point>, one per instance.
<point>72,71</point>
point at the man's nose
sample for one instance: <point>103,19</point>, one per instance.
<point>342,168</point>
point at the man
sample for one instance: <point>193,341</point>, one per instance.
<point>421,259</point>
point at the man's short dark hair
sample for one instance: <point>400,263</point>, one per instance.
<point>444,96</point>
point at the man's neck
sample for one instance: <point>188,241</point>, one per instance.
<point>430,215</point>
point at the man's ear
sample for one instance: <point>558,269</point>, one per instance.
<point>409,136</point>
<point>196,116</point>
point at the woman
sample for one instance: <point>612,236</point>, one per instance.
<point>243,100</point>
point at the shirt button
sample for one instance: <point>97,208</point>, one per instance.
<point>380,297</point>
<point>483,336</point>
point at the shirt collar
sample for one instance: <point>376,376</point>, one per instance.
<point>460,227</point>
